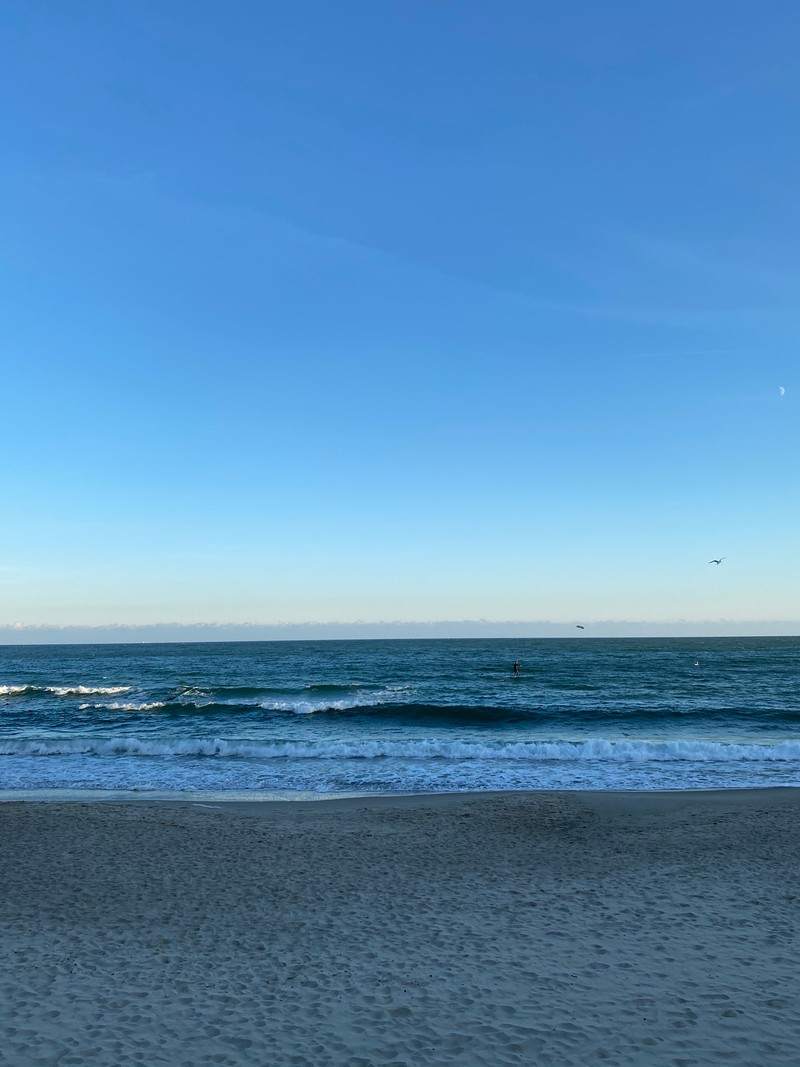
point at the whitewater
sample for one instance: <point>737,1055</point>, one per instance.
<point>352,717</point>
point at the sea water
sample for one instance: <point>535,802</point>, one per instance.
<point>334,717</point>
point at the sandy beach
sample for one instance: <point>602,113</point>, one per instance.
<point>539,928</point>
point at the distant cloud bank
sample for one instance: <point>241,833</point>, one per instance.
<point>24,634</point>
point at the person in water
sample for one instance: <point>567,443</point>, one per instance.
<point>516,666</point>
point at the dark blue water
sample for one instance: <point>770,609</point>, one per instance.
<point>401,716</point>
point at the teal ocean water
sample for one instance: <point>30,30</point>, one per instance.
<point>326,717</point>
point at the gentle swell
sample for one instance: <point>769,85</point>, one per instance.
<point>390,706</point>
<point>264,690</point>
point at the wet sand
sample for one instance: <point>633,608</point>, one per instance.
<point>477,929</point>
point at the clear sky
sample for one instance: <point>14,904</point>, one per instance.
<point>399,310</point>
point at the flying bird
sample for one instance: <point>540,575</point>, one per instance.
<point>579,627</point>
<point>718,561</point>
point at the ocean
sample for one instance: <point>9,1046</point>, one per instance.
<point>299,719</point>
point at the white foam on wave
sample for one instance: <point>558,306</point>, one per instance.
<point>66,690</point>
<point>116,706</point>
<point>87,690</point>
<point>155,705</point>
<point>292,707</point>
<point>308,707</point>
<point>592,751</point>
<point>391,695</point>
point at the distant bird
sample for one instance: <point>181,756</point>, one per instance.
<point>579,627</point>
<point>718,561</point>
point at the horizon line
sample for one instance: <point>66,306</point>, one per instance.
<point>208,632</point>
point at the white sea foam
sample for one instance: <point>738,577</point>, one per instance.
<point>198,701</point>
<point>87,690</point>
<point>595,750</point>
<point>116,706</point>
<point>390,695</point>
<point>312,707</point>
<point>66,690</point>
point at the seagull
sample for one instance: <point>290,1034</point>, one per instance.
<point>718,561</point>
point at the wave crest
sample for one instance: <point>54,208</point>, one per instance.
<point>65,690</point>
<point>594,750</point>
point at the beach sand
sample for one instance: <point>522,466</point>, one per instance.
<point>538,928</point>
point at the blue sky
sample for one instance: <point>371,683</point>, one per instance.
<point>399,311</point>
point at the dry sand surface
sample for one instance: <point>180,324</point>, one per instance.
<point>497,929</point>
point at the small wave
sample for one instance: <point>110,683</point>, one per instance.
<point>390,705</point>
<point>216,707</point>
<point>366,703</point>
<point>192,702</point>
<point>65,690</point>
<point>117,706</point>
<point>595,750</point>
<point>286,691</point>
<point>88,690</point>
<point>171,707</point>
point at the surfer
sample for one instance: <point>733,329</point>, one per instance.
<point>516,667</point>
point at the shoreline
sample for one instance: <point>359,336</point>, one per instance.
<point>239,800</point>
<point>478,929</point>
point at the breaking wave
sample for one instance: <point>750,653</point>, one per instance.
<point>64,690</point>
<point>594,750</point>
<point>392,706</point>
